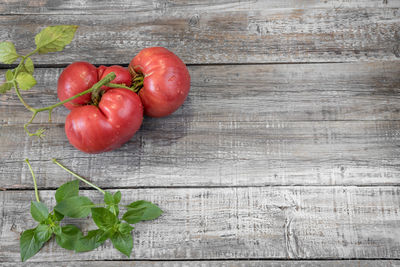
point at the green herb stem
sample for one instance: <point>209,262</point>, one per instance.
<point>77,176</point>
<point>34,180</point>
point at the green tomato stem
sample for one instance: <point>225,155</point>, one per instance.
<point>34,180</point>
<point>77,176</point>
<point>115,85</point>
<point>109,77</point>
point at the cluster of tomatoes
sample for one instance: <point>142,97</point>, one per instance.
<point>162,81</point>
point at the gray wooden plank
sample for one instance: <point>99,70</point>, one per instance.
<point>322,124</point>
<point>221,263</point>
<point>244,93</point>
<point>245,32</point>
<point>215,154</point>
<point>160,6</point>
<point>251,223</point>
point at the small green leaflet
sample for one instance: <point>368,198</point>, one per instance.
<point>29,246</point>
<point>54,38</point>
<point>28,66</point>
<point>103,218</point>
<point>25,80</point>
<point>9,75</point>
<point>75,207</point>
<point>69,236</point>
<point>112,201</point>
<point>39,211</point>
<point>43,233</point>
<point>5,87</point>
<point>125,228</point>
<point>8,54</point>
<point>123,242</point>
<point>90,241</point>
<point>67,190</point>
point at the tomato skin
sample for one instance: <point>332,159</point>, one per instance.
<point>76,78</point>
<point>166,80</point>
<point>123,75</point>
<point>99,129</point>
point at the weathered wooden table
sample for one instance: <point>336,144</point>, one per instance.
<point>286,152</point>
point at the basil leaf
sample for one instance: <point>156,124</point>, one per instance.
<point>43,233</point>
<point>67,190</point>
<point>75,207</point>
<point>103,218</point>
<point>107,234</point>
<point>90,241</point>
<point>5,87</point>
<point>39,211</point>
<point>58,216</point>
<point>133,216</point>
<point>151,211</point>
<point>69,236</point>
<point>108,198</point>
<point>54,38</point>
<point>8,54</point>
<point>29,246</point>
<point>117,197</point>
<point>123,242</point>
<point>125,228</point>
<point>25,80</point>
<point>28,66</point>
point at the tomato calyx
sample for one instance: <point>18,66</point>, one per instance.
<point>137,82</point>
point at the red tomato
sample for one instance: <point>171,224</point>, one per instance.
<point>123,75</point>
<point>94,129</point>
<point>76,78</point>
<point>166,81</point>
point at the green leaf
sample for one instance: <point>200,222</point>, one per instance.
<point>28,66</point>
<point>107,234</point>
<point>54,38</point>
<point>25,80</point>
<point>58,216</point>
<point>43,232</point>
<point>108,198</point>
<point>8,54</point>
<point>68,239</point>
<point>9,75</point>
<point>114,209</point>
<point>5,87</point>
<point>90,241</point>
<point>39,211</point>
<point>117,197</point>
<point>104,218</point>
<point>123,242</point>
<point>125,228</point>
<point>57,230</point>
<point>67,190</point>
<point>133,216</point>
<point>29,246</point>
<point>151,211</point>
<point>75,207</point>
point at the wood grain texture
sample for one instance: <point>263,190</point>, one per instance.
<point>258,154</point>
<point>17,7</point>
<point>221,223</point>
<point>221,263</point>
<point>256,93</point>
<point>314,124</point>
<point>213,31</point>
